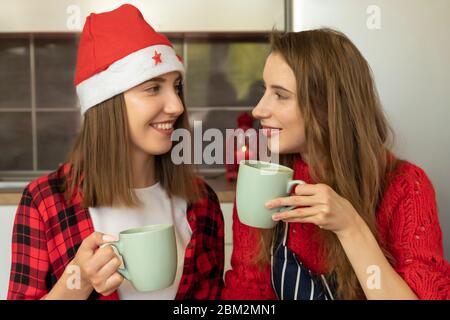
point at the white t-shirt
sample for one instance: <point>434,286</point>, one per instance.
<point>156,209</point>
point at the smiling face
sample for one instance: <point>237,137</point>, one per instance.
<point>278,108</point>
<point>152,109</point>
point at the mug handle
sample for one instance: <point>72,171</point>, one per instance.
<point>289,187</point>
<point>118,249</point>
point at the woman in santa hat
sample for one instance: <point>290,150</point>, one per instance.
<point>119,175</point>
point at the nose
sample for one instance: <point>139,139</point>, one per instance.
<point>261,111</point>
<point>174,105</point>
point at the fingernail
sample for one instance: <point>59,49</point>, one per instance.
<point>268,205</point>
<point>109,238</point>
<point>275,217</point>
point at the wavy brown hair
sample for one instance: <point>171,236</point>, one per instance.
<point>100,160</point>
<point>347,135</point>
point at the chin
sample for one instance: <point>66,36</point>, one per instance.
<point>158,150</point>
<point>280,150</point>
<point>284,149</point>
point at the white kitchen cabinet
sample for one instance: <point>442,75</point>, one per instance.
<point>165,16</point>
<point>7,214</point>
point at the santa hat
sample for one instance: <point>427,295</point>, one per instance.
<point>119,50</point>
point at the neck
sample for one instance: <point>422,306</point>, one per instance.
<point>143,165</point>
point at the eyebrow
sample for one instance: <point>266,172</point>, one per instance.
<point>280,88</point>
<point>159,79</point>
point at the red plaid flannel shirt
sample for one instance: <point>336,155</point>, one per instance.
<point>48,231</point>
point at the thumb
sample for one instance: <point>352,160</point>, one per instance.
<point>96,239</point>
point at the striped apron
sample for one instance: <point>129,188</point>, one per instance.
<point>291,280</point>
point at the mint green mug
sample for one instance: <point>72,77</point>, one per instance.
<point>257,183</point>
<point>149,256</point>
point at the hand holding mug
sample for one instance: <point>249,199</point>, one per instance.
<point>149,254</point>
<point>98,265</point>
<point>318,204</point>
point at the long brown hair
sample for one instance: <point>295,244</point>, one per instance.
<point>347,135</point>
<point>100,165</point>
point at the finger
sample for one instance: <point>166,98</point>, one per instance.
<point>293,220</point>
<point>93,241</point>
<point>96,239</point>
<point>296,213</point>
<point>292,201</point>
<point>306,189</point>
<point>110,268</point>
<point>111,284</point>
<point>101,257</point>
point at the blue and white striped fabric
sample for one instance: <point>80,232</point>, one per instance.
<point>291,280</point>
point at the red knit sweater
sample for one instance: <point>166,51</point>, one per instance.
<point>408,225</point>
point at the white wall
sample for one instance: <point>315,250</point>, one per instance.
<point>410,57</point>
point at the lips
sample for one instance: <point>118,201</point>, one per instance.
<point>165,128</point>
<point>269,131</point>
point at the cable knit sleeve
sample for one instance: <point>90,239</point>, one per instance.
<point>415,237</point>
<point>245,281</point>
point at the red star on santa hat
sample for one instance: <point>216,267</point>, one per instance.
<point>157,58</point>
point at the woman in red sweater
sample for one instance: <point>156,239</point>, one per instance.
<point>365,224</point>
